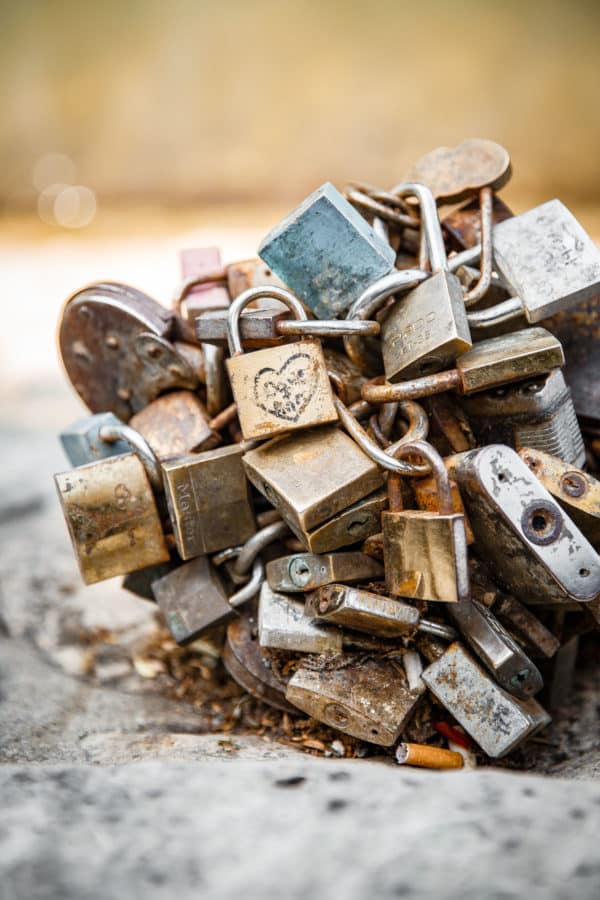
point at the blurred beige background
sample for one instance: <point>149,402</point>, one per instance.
<point>131,129</point>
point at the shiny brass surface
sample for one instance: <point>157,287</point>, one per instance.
<point>175,423</point>
<point>312,475</point>
<point>208,499</point>
<point>112,517</point>
<point>576,491</point>
<point>281,389</point>
<point>369,699</point>
<point>308,571</point>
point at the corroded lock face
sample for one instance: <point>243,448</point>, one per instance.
<point>326,252</point>
<point>368,699</point>
<point>281,389</point>
<point>311,476</point>
<point>175,423</point>
<point>497,721</point>
<point>577,492</point>
<point>117,348</point>
<point>192,599</point>
<point>426,330</point>
<point>355,523</point>
<point>536,551</point>
<point>82,443</point>
<point>112,517</point>
<point>208,500</point>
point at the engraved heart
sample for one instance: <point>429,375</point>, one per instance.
<point>287,392</point>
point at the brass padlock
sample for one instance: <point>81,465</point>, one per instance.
<point>372,613</point>
<point>112,517</point>
<point>425,553</point>
<point>577,492</point>
<point>311,476</point>
<point>355,523</point>
<point>367,698</point>
<point>208,499</point>
<point>278,389</point>
<point>427,329</point>
<point>308,571</point>
<point>175,423</point>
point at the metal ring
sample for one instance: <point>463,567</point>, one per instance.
<point>140,446</point>
<point>248,591</point>
<point>233,316</point>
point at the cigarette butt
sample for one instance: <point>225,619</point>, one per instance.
<point>427,757</point>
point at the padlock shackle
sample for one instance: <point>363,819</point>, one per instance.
<point>486,210</point>
<point>257,543</point>
<point>235,310</point>
<point>381,457</point>
<point>217,276</point>
<point>329,328</point>
<point>140,446</point>
<point>251,589</point>
<point>438,468</point>
<point>430,222</point>
<point>413,389</point>
<point>371,300</point>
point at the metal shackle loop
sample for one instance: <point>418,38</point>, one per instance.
<point>381,457</point>
<point>256,544</point>
<point>372,299</point>
<point>430,222</point>
<point>440,473</point>
<point>140,446</point>
<point>249,590</point>
<point>246,297</point>
<point>329,328</point>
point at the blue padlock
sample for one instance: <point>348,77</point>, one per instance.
<point>326,253</point>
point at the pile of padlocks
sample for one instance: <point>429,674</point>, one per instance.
<point>360,454</point>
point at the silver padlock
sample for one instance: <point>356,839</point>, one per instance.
<point>536,551</point>
<point>547,259</point>
<point>537,413</point>
<point>494,646</point>
<point>497,721</point>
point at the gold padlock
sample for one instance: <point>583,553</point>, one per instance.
<point>277,389</point>
<point>208,499</point>
<point>425,553</point>
<point>112,516</point>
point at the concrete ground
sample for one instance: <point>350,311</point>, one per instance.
<point>109,788</point>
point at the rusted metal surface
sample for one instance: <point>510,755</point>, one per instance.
<point>246,664</point>
<point>455,173</point>
<point>112,517</point>
<point>115,345</point>
<point>175,423</point>
<point>463,226</point>
<point>578,330</point>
